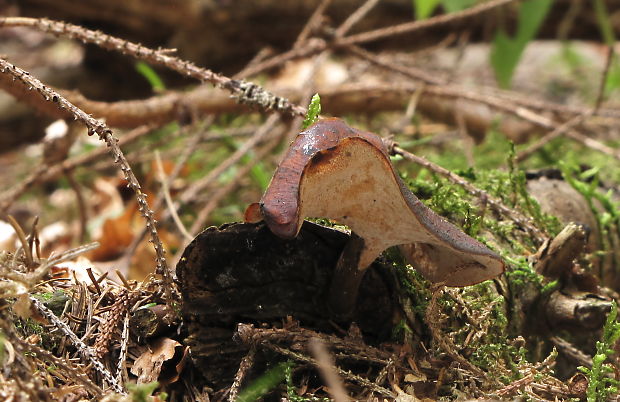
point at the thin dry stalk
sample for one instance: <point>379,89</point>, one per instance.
<point>355,17</point>
<point>7,199</point>
<point>180,163</point>
<point>312,23</point>
<point>504,104</point>
<point>105,134</point>
<point>166,193</point>
<point>547,138</point>
<point>419,25</point>
<point>319,46</point>
<point>244,367</point>
<point>81,203</point>
<point>326,365</point>
<point>609,58</point>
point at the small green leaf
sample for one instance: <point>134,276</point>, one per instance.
<point>151,76</point>
<point>314,110</point>
<point>453,6</point>
<point>424,8</point>
<point>506,51</point>
<point>263,384</point>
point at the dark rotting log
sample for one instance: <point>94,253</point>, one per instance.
<point>242,273</point>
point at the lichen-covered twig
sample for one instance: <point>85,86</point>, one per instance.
<point>94,126</point>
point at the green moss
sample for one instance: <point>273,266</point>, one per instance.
<point>601,384</point>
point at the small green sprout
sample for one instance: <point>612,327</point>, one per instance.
<point>314,110</point>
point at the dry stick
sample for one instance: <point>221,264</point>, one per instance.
<point>325,364</point>
<point>376,34</point>
<point>409,27</point>
<point>13,194</point>
<point>105,134</point>
<point>244,366</point>
<point>245,92</point>
<point>490,100</point>
<point>81,203</point>
<point>166,193</point>
<point>538,235</point>
<point>547,138</point>
<point>46,172</point>
<point>355,17</point>
<point>192,192</point>
<point>560,130</point>
<point>94,155</point>
<point>601,89</point>
<point>312,23</point>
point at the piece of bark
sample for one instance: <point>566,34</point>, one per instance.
<point>576,311</point>
<point>242,273</point>
<point>554,259</point>
<point>558,198</point>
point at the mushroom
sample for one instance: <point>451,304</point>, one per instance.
<point>334,171</point>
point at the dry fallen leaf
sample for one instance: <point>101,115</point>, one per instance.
<point>148,366</point>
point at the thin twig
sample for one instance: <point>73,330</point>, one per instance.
<point>382,33</point>
<point>244,367</point>
<point>609,58</point>
<point>105,134</point>
<point>12,195</point>
<point>180,163</point>
<point>81,203</point>
<point>547,138</point>
<point>419,25</point>
<point>166,193</point>
<point>312,23</point>
<point>326,365</point>
<point>355,17</point>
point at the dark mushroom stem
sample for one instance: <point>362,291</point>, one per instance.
<point>347,278</point>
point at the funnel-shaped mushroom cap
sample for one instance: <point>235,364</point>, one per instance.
<point>337,172</point>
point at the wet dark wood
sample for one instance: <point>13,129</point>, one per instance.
<point>242,273</point>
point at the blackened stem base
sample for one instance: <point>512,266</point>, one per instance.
<point>346,280</point>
